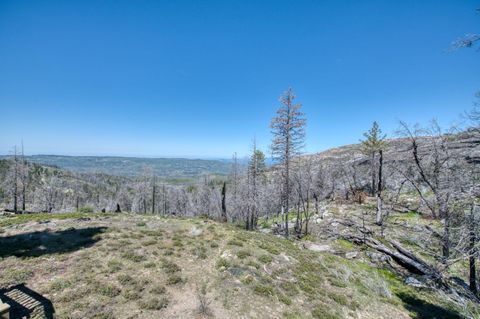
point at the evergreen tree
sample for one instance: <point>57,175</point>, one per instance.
<point>373,143</point>
<point>288,129</point>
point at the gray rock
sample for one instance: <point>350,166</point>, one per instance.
<point>195,231</point>
<point>411,281</point>
<point>377,257</point>
<point>316,247</point>
<point>351,255</point>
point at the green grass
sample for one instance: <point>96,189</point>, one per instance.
<point>26,218</point>
<point>138,269</point>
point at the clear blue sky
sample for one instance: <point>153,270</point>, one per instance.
<point>201,78</point>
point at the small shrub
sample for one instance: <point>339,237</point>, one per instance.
<point>154,303</point>
<point>289,288</point>
<point>266,259</point>
<point>235,242</point>
<point>253,264</point>
<point>114,266</point>
<point>174,279</point>
<point>141,224</point>
<point>85,210</point>
<point>170,267</point>
<point>222,262</point>
<point>247,279</point>
<point>177,243</point>
<point>108,290</point>
<point>133,256</point>
<point>124,279</point>
<point>203,302</point>
<point>149,242</point>
<point>214,244</point>
<point>158,290</point>
<point>131,294</point>
<point>263,290</point>
<point>14,276</point>
<point>285,299</point>
<point>324,312</point>
<point>270,248</point>
<point>60,284</point>
<point>242,254</point>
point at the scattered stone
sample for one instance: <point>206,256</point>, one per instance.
<point>316,247</point>
<point>284,257</point>
<point>351,255</point>
<point>195,232</point>
<point>226,254</point>
<point>377,257</point>
<point>411,281</point>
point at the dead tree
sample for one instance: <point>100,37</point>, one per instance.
<point>154,193</point>
<point>430,172</point>
<point>288,129</point>
<point>224,202</point>
<point>379,217</point>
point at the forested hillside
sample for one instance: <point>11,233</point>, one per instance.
<point>172,169</point>
<point>398,216</point>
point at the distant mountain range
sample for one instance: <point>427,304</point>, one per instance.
<point>167,168</point>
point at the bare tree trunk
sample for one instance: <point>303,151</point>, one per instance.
<point>24,179</point>
<point>164,201</point>
<point>472,252</point>
<point>445,236</point>
<point>373,173</point>
<point>15,182</point>
<point>379,191</point>
<point>287,192</point>
<point>154,191</point>
<point>224,205</point>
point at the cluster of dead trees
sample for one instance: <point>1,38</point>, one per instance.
<point>437,169</point>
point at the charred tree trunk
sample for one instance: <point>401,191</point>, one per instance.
<point>379,191</point>
<point>373,173</point>
<point>154,193</point>
<point>15,183</point>
<point>224,202</point>
<point>472,252</point>
<point>446,237</point>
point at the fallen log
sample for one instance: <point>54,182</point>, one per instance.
<point>400,255</point>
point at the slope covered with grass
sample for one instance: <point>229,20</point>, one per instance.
<point>130,266</point>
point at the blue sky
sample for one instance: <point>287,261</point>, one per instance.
<point>202,78</point>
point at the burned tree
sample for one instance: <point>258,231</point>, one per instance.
<point>430,171</point>
<point>288,129</point>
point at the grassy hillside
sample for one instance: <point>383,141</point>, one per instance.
<point>131,266</point>
<point>169,168</point>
